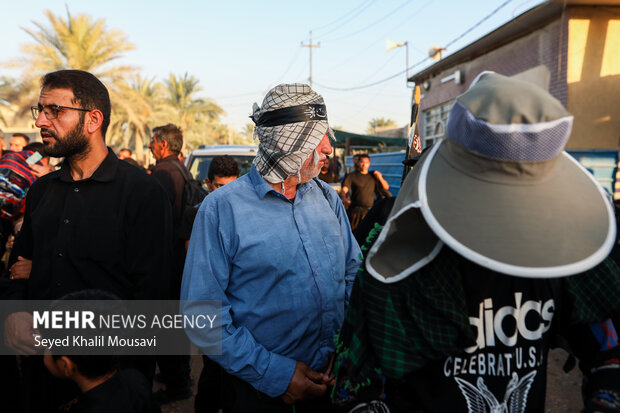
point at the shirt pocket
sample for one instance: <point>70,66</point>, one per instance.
<point>335,252</point>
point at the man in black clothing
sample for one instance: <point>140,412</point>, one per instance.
<point>362,186</point>
<point>104,386</point>
<point>166,145</point>
<point>88,225</point>
<point>117,391</point>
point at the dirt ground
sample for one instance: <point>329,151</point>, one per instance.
<point>563,390</point>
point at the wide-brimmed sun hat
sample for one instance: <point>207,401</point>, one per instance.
<point>290,124</point>
<point>499,191</point>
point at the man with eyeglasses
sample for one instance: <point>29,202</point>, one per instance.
<point>88,225</point>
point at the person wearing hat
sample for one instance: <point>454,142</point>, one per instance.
<point>275,247</point>
<point>496,250</point>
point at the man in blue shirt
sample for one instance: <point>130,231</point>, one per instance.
<point>275,247</point>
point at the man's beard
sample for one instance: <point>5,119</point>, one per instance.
<point>74,142</point>
<point>310,170</point>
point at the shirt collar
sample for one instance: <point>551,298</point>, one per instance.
<point>168,158</point>
<point>262,188</point>
<point>104,173</point>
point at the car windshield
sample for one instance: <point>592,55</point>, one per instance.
<point>199,165</point>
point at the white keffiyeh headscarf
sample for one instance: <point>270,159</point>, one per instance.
<point>289,126</point>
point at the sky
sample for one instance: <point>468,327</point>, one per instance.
<point>241,49</point>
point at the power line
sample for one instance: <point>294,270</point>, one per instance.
<point>366,6</point>
<point>297,49</point>
<point>310,46</point>
<point>346,89</point>
<point>370,25</point>
<point>388,60</point>
<point>382,38</point>
<point>501,6</point>
<point>299,77</point>
<point>423,60</point>
<point>343,16</point>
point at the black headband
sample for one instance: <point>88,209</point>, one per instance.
<point>301,113</point>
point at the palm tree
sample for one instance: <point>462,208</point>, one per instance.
<point>247,132</point>
<point>131,125</point>
<point>198,118</point>
<point>6,87</point>
<point>378,123</point>
<point>79,42</point>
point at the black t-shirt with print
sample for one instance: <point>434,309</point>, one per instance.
<point>506,370</point>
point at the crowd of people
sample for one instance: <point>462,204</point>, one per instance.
<point>497,248</point>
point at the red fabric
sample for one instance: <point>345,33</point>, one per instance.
<point>13,167</point>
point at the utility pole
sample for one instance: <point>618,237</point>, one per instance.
<point>310,46</point>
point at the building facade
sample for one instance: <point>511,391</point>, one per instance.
<point>570,48</point>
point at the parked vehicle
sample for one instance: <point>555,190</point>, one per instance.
<point>602,163</point>
<point>198,160</point>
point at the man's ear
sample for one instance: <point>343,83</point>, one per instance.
<point>66,366</point>
<point>209,185</point>
<point>93,121</point>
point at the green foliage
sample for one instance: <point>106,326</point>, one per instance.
<point>198,118</point>
<point>77,42</point>
<point>247,132</point>
<point>6,87</point>
<point>138,104</point>
<point>375,123</point>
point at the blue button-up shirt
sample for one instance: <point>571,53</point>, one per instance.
<point>283,271</point>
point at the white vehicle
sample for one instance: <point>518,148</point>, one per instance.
<point>198,160</point>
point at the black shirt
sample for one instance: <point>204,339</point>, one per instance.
<point>378,214</point>
<point>170,177</point>
<point>111,231</point>
<point>329,177</point>
<point>362,188</point>
<point>506,369</point>
<point>167,172</point>
<point>125,392</point>
<point>187,222</point>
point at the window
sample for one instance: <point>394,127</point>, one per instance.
<point>199,165</point>
<point>435,120</point>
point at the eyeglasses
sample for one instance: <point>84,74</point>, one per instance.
<point>51,111</point>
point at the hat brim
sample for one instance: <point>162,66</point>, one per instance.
<point>558,226</point>
<point>406,243</point>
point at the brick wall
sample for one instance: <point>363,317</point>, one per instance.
<point>540,47</point>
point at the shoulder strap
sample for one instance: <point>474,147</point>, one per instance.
<point>316,181</point>
<point>184,171</point>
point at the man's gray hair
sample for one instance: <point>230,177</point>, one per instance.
<point>171,134</point>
